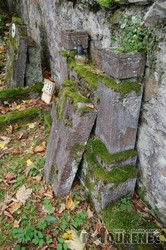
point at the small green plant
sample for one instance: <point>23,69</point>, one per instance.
<point>107,3</point>
<point>61,244</point>
<point>132,36</point>
<point>125,205</point>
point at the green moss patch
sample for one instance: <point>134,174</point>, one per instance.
<point>17,20</point>
<point>92,80</point>
<point>19,115</point>
<point>97,147</point>
<point>67,54</point>
<point>20,93</point>
<point>116,175</point>
<point>114,218</point>
<point>70,91</point>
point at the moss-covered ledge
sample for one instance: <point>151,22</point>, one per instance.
<point>116,176</point>
<point>70,90</point>
<point>19,115</point>
<point>97,147</point>
<point>20,93</point>
<point>91,77</point>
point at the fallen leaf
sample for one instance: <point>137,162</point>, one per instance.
<point>8,215</point>
<point>32,125</point>
<point>62,208</point>
<point>30,163</point>
<point>9,177</point>
<point>39,149</point>
<point>49,193</point>
<point>69,204</point>
<point>5,139</point>
<point>90,213</point>
<point>67,235</point>
<point>97,229</point>
<point>75,243</point>
<point>27,170</point>
<point>37,178</point>
<point>10,129</point>
<point>23,194</point>
<point>2,145</point>
<point>14,207</point>
<point>16,223</point>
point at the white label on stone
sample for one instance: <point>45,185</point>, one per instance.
<point>13,30</point>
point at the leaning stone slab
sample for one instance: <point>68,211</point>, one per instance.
<point>106,186</point>
<point>156,12</point>
<point>17,54</point>
<point>33,64</point>
<point>118,115</point>
<point>72,124</point>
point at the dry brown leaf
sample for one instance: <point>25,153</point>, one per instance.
<point>16,223</point>
<point>62,208</point>
<point>49,193</point>
<point>39,149</point>
<point>23,194</point>
<point>14,207</point>
<point>98,228</point>
<point>90,213</point>
<point>27,170</point>
<point>9,177</point>
<point>37,178</point>
<point>8,215</point>
<point>41,192</point>
<point>69,204</point>
<point>10,129</point>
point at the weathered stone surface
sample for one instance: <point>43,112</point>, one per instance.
<point>69,38</point>
<point>16,57</point>
<point>106,187</point>
<point>151,85</point>
<point>117,119</point>
<point>141,2</point>
<point>63,69</point>
<point>66,145</point>
<point>157,11</point>
<point>33,64</point>
<point>125,65</point>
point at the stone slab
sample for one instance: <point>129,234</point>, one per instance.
<point>102,193</point>
<point>117,119</point>
<point>123,66</point>
<point>69,39</point>
<point>66,146</point>
<point>16,57</point>
<point>33,64</point>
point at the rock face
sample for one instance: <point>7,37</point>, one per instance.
<point>69,135</point>
<point>117,119</point>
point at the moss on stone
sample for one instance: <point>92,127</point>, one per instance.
<point>19,115</point>
<point>20,93</point>
<point>92,79</point>
<point>17,20</point>
<point>67,54</point>
<point>107,3</point>
<point>116,176</point>
<point>114,218</point>
<point>98,148</point>
<point>73,95</point>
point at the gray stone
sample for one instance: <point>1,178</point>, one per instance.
<point>104,192</point>
<point>124,65</point>
<point>66,145</point>
<point>69,38</point>
<point>141,2</point>
<point>117,118</point>
<point>63,69</point>
<point>156,11</point>
<point>16,57</point>
<point>33,64</point>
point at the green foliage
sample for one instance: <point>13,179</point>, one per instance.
<point>125,205</point>
<point>132,36</point>
<point>79,219</point>
<point>107,3</point>
<point>61,244</point>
